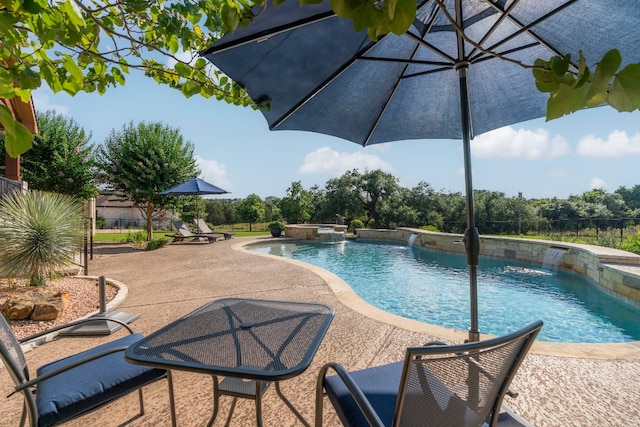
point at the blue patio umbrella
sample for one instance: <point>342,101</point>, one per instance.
<point>457,72</point>
<point>193,187</point>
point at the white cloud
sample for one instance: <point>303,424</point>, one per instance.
<point>213,172</point>
<point>597,184</point>
<point>521,144</point>
<point>42,102</point>
<point>326,160</point>
<point>618,144</point>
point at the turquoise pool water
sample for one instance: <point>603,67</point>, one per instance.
<point>433,287</point>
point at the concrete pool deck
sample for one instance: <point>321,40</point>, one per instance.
<point>572,389</point>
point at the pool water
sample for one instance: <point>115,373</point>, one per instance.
<point>433,287</point>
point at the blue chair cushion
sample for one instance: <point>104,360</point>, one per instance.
<point>379,384</point>
<point>88,386</point>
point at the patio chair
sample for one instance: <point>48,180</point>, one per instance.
<point>184,233</point>
<point>74,386</point>
<point>436,385</point>
<point>203,228</point>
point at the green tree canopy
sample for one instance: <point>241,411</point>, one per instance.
<point>76,46</point>
<point>297,205</point>
<point>62,160</point>
<point>251,210</point>
<point>140,161</point>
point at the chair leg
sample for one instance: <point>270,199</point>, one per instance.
<point>23,417</point>
<point>141,398</point>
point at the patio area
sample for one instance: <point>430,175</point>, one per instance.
<point>572,389</point>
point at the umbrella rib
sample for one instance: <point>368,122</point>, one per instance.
<point>527,29</point>
<point>265,35</point>
<point>504,15</point>
<point>388,101</point>
<point>319,88</point>
<point>406,61</point>
<point>431,47</point>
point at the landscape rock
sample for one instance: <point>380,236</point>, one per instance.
<point>35,306</point>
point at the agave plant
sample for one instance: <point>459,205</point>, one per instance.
<point>39,234</point>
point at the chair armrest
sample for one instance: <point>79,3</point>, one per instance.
<point>357,394</point>
<point>77,363</point>
<point>430,343</point>
<point>72,324</point>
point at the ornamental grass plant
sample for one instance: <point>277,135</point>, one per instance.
<point>39,234</point>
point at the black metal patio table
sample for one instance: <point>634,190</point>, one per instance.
<point>250,342</point>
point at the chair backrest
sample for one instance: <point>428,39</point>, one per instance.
<point>11,353</point>
<point>460,385</point>
<point>202,226</point>
<point>182,229</point>
<point>14,361</point>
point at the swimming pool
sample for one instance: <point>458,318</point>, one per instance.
<point>433,287</point>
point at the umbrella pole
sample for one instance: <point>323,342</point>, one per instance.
<point>471,235</point>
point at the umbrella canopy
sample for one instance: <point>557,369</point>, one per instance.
<point>439,80</point>
<point>193,187</point>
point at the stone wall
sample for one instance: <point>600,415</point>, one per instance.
<point>616,272</point>
<point>309,231</point>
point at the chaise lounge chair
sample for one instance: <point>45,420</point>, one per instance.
<point>436,385</point>
<point>74,386</point>
<point>203,228</point>
<point>184,233</point>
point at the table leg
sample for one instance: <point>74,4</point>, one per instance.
<point>259,403</point>
<point>290,405</point>
<point>216,399</point>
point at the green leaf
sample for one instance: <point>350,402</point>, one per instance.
<point>565,100</point>
<point>74,83</point>
<point>605,70</point>
<point>230,18</point>
<point>625,91</point>
<point>546,80</point>
<point>18,139</point>
<point>73,12</point>
<point>404,14</point>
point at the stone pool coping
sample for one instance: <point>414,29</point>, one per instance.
<point>344,293</point>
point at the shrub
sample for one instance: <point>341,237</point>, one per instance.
<point>156,243</point>
<point>100,221</point>
<point>631,244</point>
<point>275,224</point>
<point>138,237</point>
<point>39,234</point>
<point>356,223</point>
<point>429,228</point>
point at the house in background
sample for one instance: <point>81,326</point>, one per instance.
<point>113,213</point>
<point>25,113</point>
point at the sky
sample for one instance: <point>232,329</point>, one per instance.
<point>597,148</point>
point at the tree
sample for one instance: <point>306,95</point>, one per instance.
<point>76,46</point>
<point>251,210</point>
<point>215,212</point>
<point>140,161</point>
<point>375,188</point>
<point>631,196</point>
<point>297,206</point>
<point>61,160</point>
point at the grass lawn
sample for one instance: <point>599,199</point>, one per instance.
<point>121,237</point>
